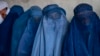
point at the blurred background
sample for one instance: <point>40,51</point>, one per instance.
<point>68,5</point>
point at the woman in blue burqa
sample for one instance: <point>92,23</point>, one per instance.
<point>51,31</point>
<point>83,35</point>
<point>19,29</point>
<point>6,30</point>
<point>27,39</point>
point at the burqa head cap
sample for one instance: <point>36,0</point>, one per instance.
<point>36,11</point>
<point>52,7</point>
<point>82,8</point>
<point>17,9</point>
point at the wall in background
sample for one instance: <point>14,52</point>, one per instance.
<point>68,5</point>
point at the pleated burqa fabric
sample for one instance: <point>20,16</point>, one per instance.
<point>18,29</point>
<point>27,39</point>
<point>83,35</point>
<point>50,34</point>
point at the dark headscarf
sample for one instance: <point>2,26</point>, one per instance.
<point>27,39</point>
<point>49,37</point>
<point>82,38</point>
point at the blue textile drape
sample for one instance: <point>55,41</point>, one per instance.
<point>50,34</point>
<point>6,31</point>
<point>27,39</point>
<point>82,38</point>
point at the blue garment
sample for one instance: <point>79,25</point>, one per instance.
<point>18,29</point>
<point>83,38</point>
<point>49,37</point>
<point>5,33</point>
<point>17,9</point>
<point>27,39</point>
<point>52,8</point>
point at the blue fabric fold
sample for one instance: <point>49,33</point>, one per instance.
<point>27,39</point>
<point>6,32</point>
<point>18,30</point>
<point>82,38</point>
<point>50,34</point>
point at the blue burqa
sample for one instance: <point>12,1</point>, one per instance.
<point>6,32</point>
<point>18,30</point>
<point>27,39</point>
<point>83,35</point>
<point>50,34</point>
